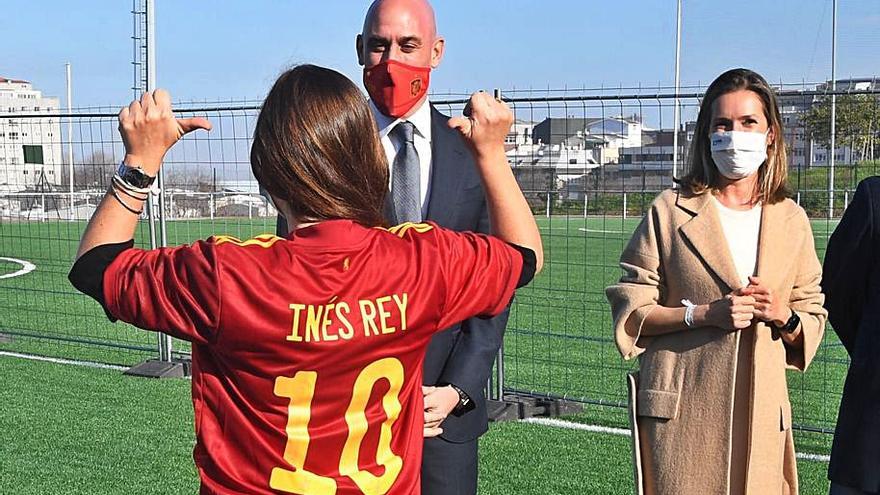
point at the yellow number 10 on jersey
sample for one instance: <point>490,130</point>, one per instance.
<point>300,389</point>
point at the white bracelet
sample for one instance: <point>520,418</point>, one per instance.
<point>154,189</point>
<point>689,312</point>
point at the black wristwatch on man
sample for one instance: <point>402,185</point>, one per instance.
<point>465,403</point>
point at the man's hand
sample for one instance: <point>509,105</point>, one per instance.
<point>439,403</point>
<point>149,129</point>
<point>485,124</point>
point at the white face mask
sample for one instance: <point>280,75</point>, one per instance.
<point>738,154</point>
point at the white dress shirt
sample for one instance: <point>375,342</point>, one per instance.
<point>421,120</point>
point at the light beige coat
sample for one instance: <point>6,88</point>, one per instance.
<point>682,397</point>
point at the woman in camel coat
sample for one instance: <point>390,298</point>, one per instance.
<point>720,295</point>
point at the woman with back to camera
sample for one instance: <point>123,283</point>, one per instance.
<point>720,295</point>
<point>307,350</point>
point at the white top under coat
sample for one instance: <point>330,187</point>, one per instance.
<point>421,120</point>
<point>741,229</point>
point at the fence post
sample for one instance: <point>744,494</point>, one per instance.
<point>586,203</point>
<point>845,199</point>
<point>624,206</point>
<point>548,203</point>
<point>798,198</point>
<point>211,203</point>
<point>499,373</point>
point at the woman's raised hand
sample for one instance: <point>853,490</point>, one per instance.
<point>485,124</point>
<point>149,129</point>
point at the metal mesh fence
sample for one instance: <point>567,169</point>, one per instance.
<point>590,163</point>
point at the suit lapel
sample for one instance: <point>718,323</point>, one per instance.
<point>447,155</point>
<point>705,234</point>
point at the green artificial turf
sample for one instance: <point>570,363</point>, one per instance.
<point>68,429</point>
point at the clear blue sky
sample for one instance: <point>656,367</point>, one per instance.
<point>234,49</point>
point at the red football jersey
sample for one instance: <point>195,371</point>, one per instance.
<point>307,351</point>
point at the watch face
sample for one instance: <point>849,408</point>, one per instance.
<point>137,178</point>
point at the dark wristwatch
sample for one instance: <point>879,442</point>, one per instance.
<point>135,176</point>
<point>791,325</point>
<point>465,403</point>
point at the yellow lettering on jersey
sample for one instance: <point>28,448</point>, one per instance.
<point>368,316</point>
<point>401,306</point>
<point>294,333</point>
<point>384,315</point>
<point>313,323</point>
<point>347,331</point>
<point>325,325</point>
<point>332,322</point>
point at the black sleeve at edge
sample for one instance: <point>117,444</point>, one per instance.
<point>87,274</point>
<point>530,263</point>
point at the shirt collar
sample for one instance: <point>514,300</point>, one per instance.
<point>421,119</point>
<point>330,234</point>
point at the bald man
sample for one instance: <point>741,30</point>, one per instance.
<point>433,177</point>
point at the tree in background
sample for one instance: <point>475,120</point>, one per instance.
<point>856,123</point>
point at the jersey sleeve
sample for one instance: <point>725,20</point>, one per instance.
<point>480,273</point>
<point>171,290</point>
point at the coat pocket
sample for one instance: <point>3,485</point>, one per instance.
<point>662,404</point>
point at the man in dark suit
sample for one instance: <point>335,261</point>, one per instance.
<point>851,281</point>
<point>433,177</point>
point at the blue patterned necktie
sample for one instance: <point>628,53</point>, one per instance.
<point>405,182</point>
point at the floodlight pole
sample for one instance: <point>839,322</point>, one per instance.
<point>70,137</point>
<point>676,117</point>
<point>833,109</point>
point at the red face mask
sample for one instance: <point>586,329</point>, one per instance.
<point>396,87</point>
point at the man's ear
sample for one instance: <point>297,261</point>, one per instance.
<point>359,46</point>
<point>437,52</point>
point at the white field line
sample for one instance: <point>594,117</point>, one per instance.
<point>595,231</point>
<point>558,423</point>
<point>26,267</point>
<point>88,364</point>
<point>73,362</point>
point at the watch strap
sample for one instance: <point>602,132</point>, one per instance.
<point>792,324</point>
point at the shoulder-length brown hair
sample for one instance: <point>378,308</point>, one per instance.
<point>702,173</point>
<point>316,147</point>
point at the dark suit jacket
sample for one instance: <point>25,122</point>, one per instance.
<point>463,354</point>
<point>851,281</point>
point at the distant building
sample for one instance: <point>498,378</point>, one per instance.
<point>30,148</point>
<point>520,134</point>
<point>655,153</point>
<point>804,151</point>
<point>612,132</point>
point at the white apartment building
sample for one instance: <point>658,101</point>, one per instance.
<point>30,148</point>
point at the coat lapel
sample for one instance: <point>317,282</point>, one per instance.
<point>448,154</point>
<point>705,234</point>
<point>778,235</point>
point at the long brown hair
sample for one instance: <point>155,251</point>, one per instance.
<point>317,148</point>
<point>702,173</point>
